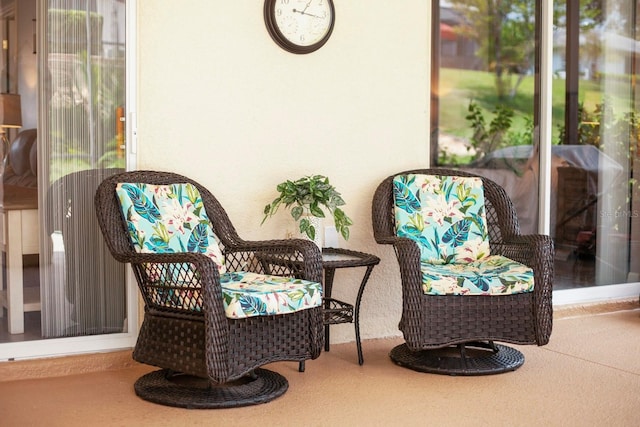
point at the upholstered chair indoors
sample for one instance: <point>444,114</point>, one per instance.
<point>469,277</point>
<point>90,277</point>
<point>212,317</point>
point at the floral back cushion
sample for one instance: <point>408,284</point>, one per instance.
<point>445,215</point>
<point>167,219</point>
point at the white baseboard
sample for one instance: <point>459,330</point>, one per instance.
<point>595,294</point>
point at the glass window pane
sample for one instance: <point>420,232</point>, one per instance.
<point>84,292</point>
<point>484,118</point>
<point>596,222</point>
<point>485,95</point>
<point>59,279</point>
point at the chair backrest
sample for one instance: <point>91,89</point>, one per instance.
<point>444,214</point>
<point>114,227</point>
<point>168,218</point>
<point>500,214</point>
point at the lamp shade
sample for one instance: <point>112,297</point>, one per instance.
<point>10,110</point>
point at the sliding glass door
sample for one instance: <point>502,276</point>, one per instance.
<point>82,286</point>
<point>486,116</point>
<point>73,291</point>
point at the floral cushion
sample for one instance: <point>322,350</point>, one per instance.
<point>249,294</point>
<point>172,218</point>
<point>445,215</point>
<point>493,275</point>
<point>168,219</point>
<point>246,294</point>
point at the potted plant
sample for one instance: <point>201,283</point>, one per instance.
<point>307,197</point>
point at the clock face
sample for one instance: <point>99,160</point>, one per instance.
<point>299,26</point>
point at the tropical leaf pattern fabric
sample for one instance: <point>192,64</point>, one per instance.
<point>171,219</point>
<point>248,294</point>
<point>168,219</point>
<point>493,275</point>
<point>445,215</point>
<point>244,294</point>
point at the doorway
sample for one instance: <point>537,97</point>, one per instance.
<point>60,283</point>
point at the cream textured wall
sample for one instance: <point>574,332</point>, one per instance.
<point>219,101</point>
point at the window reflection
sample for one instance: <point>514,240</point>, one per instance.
<point>484,118</point>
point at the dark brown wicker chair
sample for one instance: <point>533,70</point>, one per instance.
<point>207,359</point>
<point>434,324</point>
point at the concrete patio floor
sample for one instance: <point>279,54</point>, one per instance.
<point>588,375</point>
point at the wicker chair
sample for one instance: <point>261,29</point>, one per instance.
<point>434,325</point>
<point>209,360</point>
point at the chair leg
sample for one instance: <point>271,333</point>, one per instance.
<point>301,366</point>
<point>471,358</point>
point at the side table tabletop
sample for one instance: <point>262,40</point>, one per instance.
<point>336,311</point>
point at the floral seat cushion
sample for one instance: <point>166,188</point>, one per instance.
<point>247,294</point>
<point>172,218</point>
<point>445,215</point>
<point>493,275</point>
<point>244,294</point>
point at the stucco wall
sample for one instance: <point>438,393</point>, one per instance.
<point>219,101</point>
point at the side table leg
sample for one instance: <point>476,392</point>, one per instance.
<point>327,346</point>
<point>357,312</point>
<point>329,273</point>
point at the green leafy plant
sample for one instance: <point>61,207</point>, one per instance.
<point>309,195</point>
<point>486,140</point>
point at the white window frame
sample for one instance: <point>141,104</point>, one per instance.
<point>564,297</point>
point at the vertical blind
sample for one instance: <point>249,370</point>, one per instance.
<point>80,142</point>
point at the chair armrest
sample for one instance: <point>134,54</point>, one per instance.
<point>408,254</point>
<point>203,277</point>
<point>303,253</point>
<point>536,251</point>
<point>203,285</point>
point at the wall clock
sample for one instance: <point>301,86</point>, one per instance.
<point>299,26</point>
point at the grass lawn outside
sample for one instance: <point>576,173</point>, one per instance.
<point>458,87</point>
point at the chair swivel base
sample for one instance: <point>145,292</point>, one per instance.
<point>167,388</point>
<point>476,358</point>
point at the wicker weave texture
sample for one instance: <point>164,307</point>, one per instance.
<point>199,339</point>
<point>437,321</point>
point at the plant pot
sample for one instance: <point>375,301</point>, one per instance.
<point>317,225</point>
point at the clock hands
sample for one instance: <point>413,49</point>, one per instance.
<point>302,12</point>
